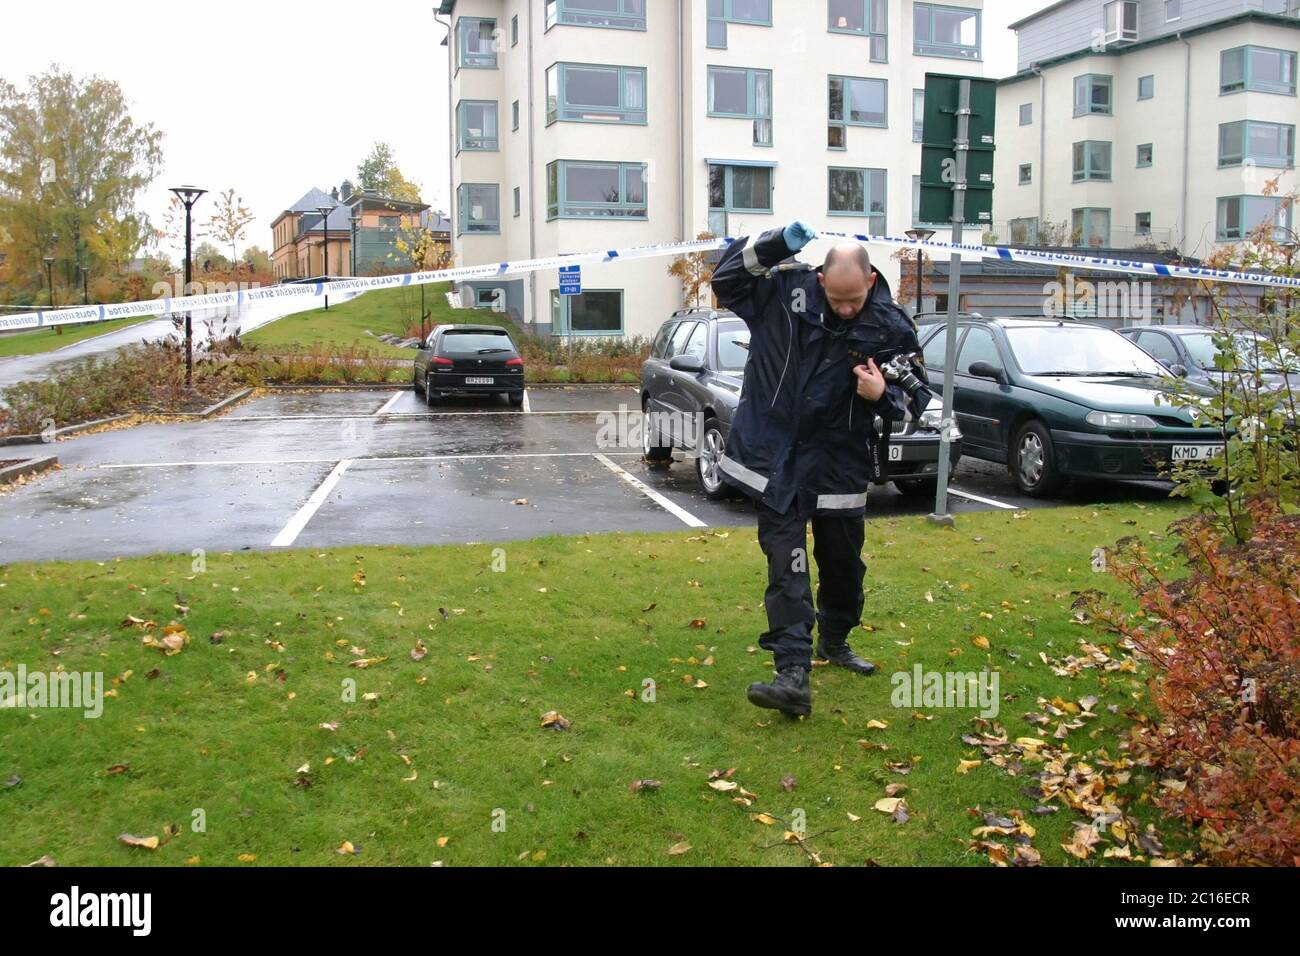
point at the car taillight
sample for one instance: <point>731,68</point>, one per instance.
<point>440,360</point>
<point>515,361</point>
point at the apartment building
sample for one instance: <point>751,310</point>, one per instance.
<point>579,125</point>
<point>1151,124</point>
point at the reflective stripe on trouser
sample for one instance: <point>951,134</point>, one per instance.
<point>837,549</point>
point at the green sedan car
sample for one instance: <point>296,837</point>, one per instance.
<point>1053,399</point>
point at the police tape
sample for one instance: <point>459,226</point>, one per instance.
<point>169,305</point>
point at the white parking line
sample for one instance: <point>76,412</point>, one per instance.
<point>650,493</point>
<point>365,459</point>
<point>299,521</point>
<point>389,404</point>
<point>986,501</point>
<point>233,419</point>
<point>528,410</point>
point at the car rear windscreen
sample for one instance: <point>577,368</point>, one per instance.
<point>472,343</point>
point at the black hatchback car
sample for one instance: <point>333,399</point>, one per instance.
<point>1052,398</point>
<point>690,387</point>
<point>469,360</point>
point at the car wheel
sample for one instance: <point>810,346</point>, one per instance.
<point>917,487</point>
<point>516,399</point>
<point>708,463</point>
<point>1034,461</point>
<point>651,450</point>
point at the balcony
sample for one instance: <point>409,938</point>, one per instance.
<point>1027,232</point>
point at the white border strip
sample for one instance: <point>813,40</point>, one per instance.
<point>305,513</point>
<point>650,493</point>
<point>390,403</point>
<point>984,501</point>
<point>363,460</point>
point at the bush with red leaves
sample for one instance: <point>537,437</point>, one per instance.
<point>1224,643</point>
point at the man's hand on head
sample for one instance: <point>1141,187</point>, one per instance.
<point>871,383</point>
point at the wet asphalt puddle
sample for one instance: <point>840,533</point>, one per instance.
<point>324,469</point>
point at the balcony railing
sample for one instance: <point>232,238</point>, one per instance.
<point>1031,233</point>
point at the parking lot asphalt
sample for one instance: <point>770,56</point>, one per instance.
<point>341,468</point>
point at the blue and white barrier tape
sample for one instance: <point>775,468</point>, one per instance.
<point>315,290</point>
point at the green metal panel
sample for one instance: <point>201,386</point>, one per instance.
<point>938,156</point>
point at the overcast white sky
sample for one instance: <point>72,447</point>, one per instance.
<point>239,88</point>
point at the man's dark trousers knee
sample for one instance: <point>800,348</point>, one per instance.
<point>837,549</point>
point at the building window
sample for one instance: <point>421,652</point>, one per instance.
<point>869,18</point>
<point>514,115</point>
<point>1146,87</point>
<point>743,94</point>
<point>1092,226</point>
<point>1026,173</point>
<point>514,30</point>
<point>479,207</point>
<point>1026,114</point>
<point>918,115</point>
<point>1264,144</point>
<point>614,14</point>
<point>1024,232</point>
<point>517,202</point>
<point>916,208</point>
<point>859,101</point>
<point>722,12</point>
<point>594,312</point>
<point>945,31</point>
<point>1258,68</point>
<point>1239,216</point>
<point>589,93</point>
<point>857,192</point>
<point>1120,22</point>
<point>1091,160</point>
<point>477,122</point>
<point>740,188</point>
<point>476,44</point>
<point>1173,10</point>
<point>1092,94</point>
<point>1144,155</point>
<point>587,190</point>
<point>1142,223</point>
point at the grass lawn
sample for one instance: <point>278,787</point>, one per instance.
<point>453,742</point>
<point>37,341</point>
<point>384,310</point>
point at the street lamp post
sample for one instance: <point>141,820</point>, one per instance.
<point>49,276</point>
<point>188,195</point>
<point>325,255</point>
<point>921,235</point>
<point>354,219</point>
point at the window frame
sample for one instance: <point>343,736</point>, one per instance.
<point>1151,152</point>
<point>1021,113</point>
<point>564,305</point>
<point>848,101</point>
<point>562,104</point>
<point>1025,180</point>
<point>518,205</point>
<point>1090,78</point>
<point>1119,35</point>
<point>1152,94</point>
<point>1085,175</point>
<point>728,193</point>
<point>1243,154</point>
<point>1083,236</point>
<point>1137,224</point>
<point>460,127</point>
<point>554,14</point>
<point>1246,49</point>
<point>462,35</point>
<point>1244,230</point>
<point>867,196</point>
<point>726,17</point>
<point>1175,5</point>
<point>918,122</point>
<point>751,97</point>
<point>558,207</point>
<point>878,39</point>
<point>514,116</point>
<point>462,218</point>
<point>952,51</point>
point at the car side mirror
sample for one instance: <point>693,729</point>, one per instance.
<point>988,370</point>
<point>686,363</point>
<point>1179,369</point>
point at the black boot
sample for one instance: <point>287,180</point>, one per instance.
<point>790,692</point>
<point>843,656</point>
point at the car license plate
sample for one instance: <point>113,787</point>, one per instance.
<point>1196,452</point>
<point>895,452</point>
<point>478,381</point>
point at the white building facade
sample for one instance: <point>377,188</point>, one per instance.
<point>582,125</point>
<point>1148,123</point>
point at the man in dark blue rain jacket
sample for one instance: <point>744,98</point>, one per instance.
<point>801,439</point>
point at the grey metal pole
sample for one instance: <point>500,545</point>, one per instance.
<point>961,147</point>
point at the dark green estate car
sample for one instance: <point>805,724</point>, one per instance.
<point>1055,398</point>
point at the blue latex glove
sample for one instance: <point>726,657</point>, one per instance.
<point>798,234</point>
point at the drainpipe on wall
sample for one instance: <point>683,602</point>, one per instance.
<point>453,214</point>
<point>1187,115</point>
<point>1042,141</point>
<point>531,305</point>
<point>681,126</point>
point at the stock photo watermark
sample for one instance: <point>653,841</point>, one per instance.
<point>41,690</point>
<point>948,689</point>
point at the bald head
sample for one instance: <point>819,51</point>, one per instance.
<point>846,278</point>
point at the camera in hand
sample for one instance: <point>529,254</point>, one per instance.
<point>899,369</point>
